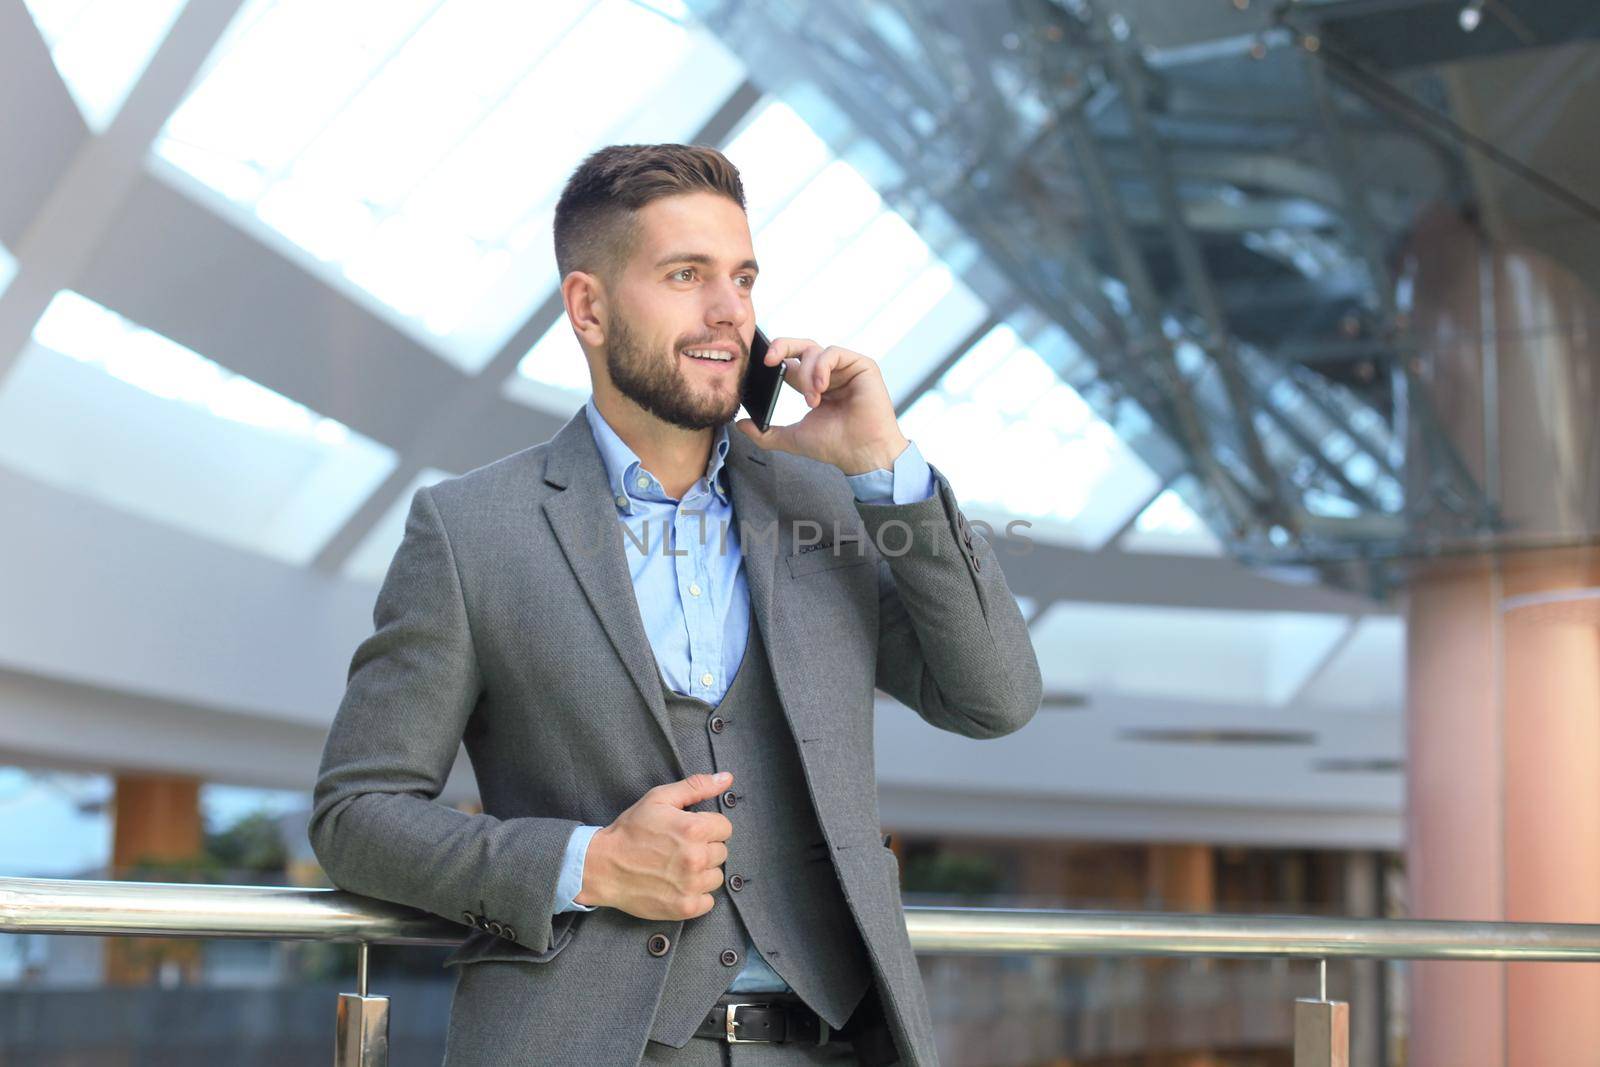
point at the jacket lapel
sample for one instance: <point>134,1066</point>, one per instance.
<point>766,533</point>
<point>584,518</point>
<point>753,488</point>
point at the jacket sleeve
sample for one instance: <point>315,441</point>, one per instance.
<point>952,643</point>
<point>376,825</point>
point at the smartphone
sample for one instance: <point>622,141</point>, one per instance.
<point>759,392</point>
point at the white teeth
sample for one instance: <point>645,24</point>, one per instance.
<point>713,354</point>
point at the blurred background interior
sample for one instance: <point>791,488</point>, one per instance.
<point>1297,300</point>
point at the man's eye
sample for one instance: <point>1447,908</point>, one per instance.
<point>685,270</point>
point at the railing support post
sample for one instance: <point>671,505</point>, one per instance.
<point>361,1038</point>
<point>1321,1027</point>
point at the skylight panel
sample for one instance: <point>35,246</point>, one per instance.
<point>1170,526</point>
<point>371,558</point>
<point>101,47</point>
<point>418,152</point>
<point>554,375</point>
<point>832,210</point>
<point>101,406</point>
<point>839,299</point>
<point>777,155</point>
<point>1366,675</point>
<point>1252,658</point>
<point>1019,443</point>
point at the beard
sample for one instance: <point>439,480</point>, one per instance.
<point>659,386</point>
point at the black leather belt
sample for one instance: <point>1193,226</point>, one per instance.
<point>741,1018</point>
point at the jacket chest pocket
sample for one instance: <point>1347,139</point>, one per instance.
<point>849,551</point>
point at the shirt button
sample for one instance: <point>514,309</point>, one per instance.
<point>736,882</point>
<point>622,501</point>
<point>658,944</point>
<point>643,481</point>
<point>717,723</point>
<point>729,957</point>
<point>705,679</point>
<point>694,588</point>
<point>730,798</point>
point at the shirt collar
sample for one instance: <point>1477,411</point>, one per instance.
<point>622,463</point>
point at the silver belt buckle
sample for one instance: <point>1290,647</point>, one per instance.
<point>732,1024</point>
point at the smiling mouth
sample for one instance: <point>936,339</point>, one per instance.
<point>715,357</point>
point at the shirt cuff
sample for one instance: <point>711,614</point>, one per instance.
<point>571,881</point>
<point>910,482</point>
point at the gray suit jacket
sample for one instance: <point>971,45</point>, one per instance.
<point>508,621</point>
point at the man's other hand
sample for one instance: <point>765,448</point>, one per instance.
<point>658,861</point>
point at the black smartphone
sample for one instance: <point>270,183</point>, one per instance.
<point>762,383</point>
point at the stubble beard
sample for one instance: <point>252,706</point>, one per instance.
<point>659,385</point>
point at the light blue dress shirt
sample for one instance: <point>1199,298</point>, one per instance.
<point>696,606</point>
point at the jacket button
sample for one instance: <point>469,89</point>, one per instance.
<point>469,918</point>
<point>658,944</point>
<point>736,882</point>
<point>730,798</point>
<point>511,933</point>
<point>496,928</point>
<point>729,957</point>
<point>717,723</point>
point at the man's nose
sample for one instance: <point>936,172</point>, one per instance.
<point>728,305</point>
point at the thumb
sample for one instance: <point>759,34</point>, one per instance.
<point>774,439</point>
<point>693,789</point>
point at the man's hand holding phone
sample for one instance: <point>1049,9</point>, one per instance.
<point>851,423</point>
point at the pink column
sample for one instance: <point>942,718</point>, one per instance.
<point>1503,656</point>
<point>1454,855</point>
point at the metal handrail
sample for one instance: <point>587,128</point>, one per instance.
<point>165,909</point>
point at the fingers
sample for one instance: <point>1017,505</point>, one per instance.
<point>812,368</point>
<point>710,826</point>
<point>692,790</point>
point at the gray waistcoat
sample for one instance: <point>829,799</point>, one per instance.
<point>790,904</point>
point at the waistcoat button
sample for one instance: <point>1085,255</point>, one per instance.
<point>717,723</point>
<point>729,957</point>
<point>658,944</point>
<point>730,798</point>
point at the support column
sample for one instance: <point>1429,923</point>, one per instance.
<point>156,820</point>
<point>1180,878</point>
<point>1505,800</point>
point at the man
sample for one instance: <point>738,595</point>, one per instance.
<point>613,619</point>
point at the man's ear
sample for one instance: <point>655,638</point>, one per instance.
<point>584,297</point>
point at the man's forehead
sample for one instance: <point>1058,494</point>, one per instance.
<point>705,229</point>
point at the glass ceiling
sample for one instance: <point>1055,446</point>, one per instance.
<point>1367,674</point>
<point>370,560</point>
<point>1171,527</point>
<point>1248,658</point>
<point>419,148</point>
<point>1021,443</point>
<point>101,47</point>
<point>177,438</point>
<point>837,265</point>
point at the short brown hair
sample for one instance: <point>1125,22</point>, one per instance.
<point>595,217</point>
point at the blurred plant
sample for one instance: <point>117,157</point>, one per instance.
<point>952,874</point>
